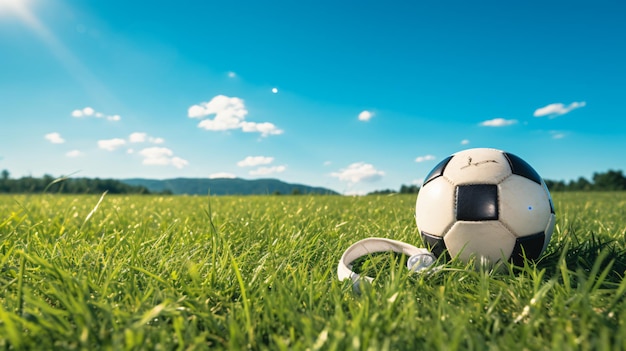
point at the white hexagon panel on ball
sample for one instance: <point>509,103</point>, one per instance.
<point>482,240</point>
<point>477,166</point>
<point>434,209</point>
<point>524,206</point>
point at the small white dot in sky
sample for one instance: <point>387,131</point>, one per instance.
<point>274,90</point>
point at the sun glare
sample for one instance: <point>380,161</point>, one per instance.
<point>17,7</point>
<point>11,3</point>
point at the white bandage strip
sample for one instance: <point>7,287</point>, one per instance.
<point>372,245</point>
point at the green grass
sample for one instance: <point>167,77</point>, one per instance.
<point>151,272</point>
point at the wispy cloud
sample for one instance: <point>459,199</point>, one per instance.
<point>268,170</point>
<point>498,122</point>
<point>229,113</point>
<point>152,156</point>
<point>252,161</point>
<point>359,172</point>
<point>222,175</point>
<point>232,74</point>
<point>366,115</point>
<point>54,138</point>
<point>74,153</point>
<point>557,135</point>
<point>90,112</point>
<point>111,144</point>
<point>557,109</point>
<point>140,137</point>
<point>425,158</point>
<point>265,128</point>
<point>465,141</point>
<point>161,156</point>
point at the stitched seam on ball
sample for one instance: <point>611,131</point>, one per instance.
<point>447,229</point>
<point>454,212</point>
<point>509,229</point>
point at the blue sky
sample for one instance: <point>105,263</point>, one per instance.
<point>351,95</point>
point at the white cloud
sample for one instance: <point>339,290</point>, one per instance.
<point>265,128</point>
<point>74,153</point>
<point>425,158</point>
<point>140,137</point>
<point>217,125</point>
<point>222,175</point>
<point>54,138</point>
<point>161,156</point>
<point>232,74</point>
<point>275,90</point>
<point>195,111</point>
<point>498,122</point>
<point>90,112</point>
<point>156,156</point>
<point>268,170</point>
<point>179,162</point>
<point>229,113</point>
<point>223,107</point>
<point>85,112</point>
<point>359,172</point>
<point>137,137</point>
<point>465,142</point>
<point>557,109</point>
<point>252,161</point>
<point>111,144</point>
<point>365,116</point>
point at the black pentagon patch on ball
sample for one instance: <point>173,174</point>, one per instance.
<point>530,246</point>
<point>438,170</point>
<point>521,168</point>
<point>435,244</point>
<point>477,202</point>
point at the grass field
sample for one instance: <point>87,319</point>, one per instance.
<point>193,273</point>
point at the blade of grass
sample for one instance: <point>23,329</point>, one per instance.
<point>95,208</point>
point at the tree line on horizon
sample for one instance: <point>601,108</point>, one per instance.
<point>612,180</point>
<point>50,184</point>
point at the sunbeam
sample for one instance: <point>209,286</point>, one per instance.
<point>78,71</point>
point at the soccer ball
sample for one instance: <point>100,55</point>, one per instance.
<point>487,205</point>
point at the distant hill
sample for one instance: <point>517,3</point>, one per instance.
<point>225,186</point>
